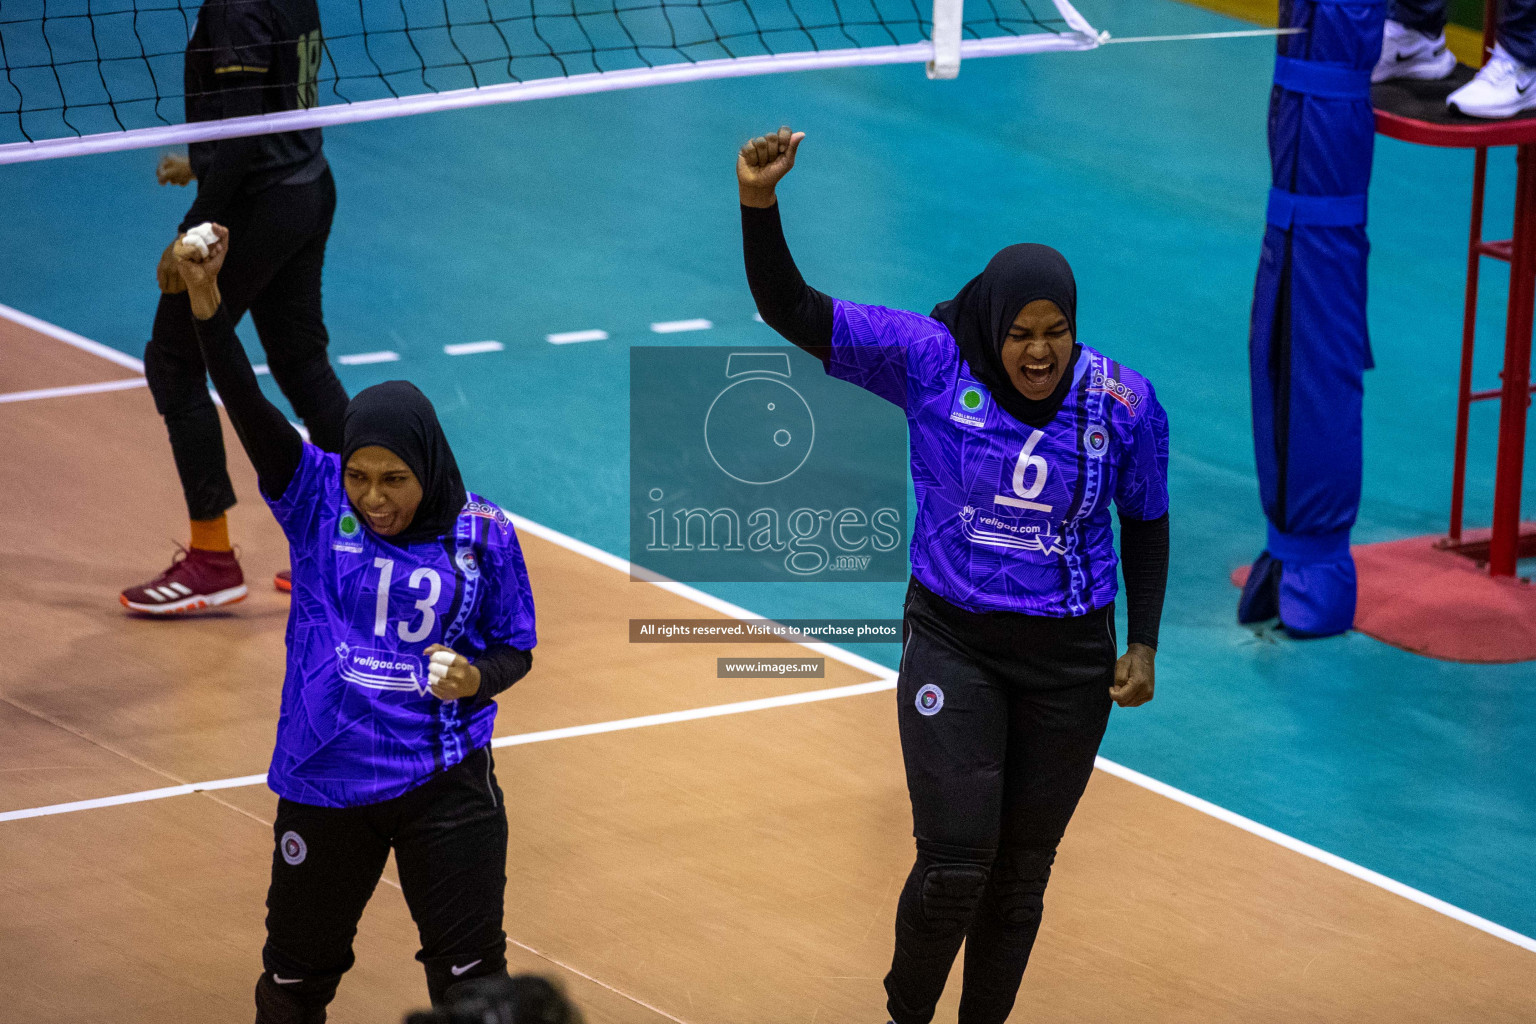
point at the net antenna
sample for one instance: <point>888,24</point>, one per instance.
<point>104,76</point>
<point>949,42</point>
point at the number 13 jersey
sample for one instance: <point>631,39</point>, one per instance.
<point>358,723</point>
<point>1010,517</point>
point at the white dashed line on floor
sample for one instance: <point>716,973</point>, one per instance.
<point>473,348</point>
<point>364,358</point>
<point>678,326</point>
<point>570,337</point>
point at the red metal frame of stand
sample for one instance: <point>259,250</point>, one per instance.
<point>1506,541</point>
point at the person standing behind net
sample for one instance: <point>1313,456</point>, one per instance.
<point>411,611</point>
<point>1413,46</point>
<point>276,192</point>
<point>1020,439</point>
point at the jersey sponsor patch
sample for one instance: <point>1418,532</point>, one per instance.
<point>468,564</point>
<point>294,850</point>
<point>970,404</point>
<point>930,701</point>
<point>1099,384</point>
<point>379,669</point>
<point>1020,535</point>
<point>485,510</point>
<point>348,534</point>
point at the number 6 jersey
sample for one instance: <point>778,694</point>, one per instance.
<point>1010,517</point>
<point>358,722</point>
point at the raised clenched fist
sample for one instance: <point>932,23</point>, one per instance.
<point>762,162</point>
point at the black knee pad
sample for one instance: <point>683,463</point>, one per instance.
<point>951,893</point>
<point>294,999</point>
<point>1019,878</point>
<point>444,972</point>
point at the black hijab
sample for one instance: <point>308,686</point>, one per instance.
<point>980,315</point>
<point>396,416</point>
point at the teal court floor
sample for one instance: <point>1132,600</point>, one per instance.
<point>1146,164</point>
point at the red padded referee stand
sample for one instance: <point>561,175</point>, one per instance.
<point>1457,597</point>
<point>1415,112</point>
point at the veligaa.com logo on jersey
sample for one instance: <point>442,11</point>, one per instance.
<point>376,668</point>
<point>753,465</point>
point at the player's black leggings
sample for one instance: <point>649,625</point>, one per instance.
<point>450,841</point>
<point>1001,715</point>
<point>277,249</point>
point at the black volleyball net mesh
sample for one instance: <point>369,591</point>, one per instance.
<point>76,68</point>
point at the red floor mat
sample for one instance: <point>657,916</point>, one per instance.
<point>1439,604</point>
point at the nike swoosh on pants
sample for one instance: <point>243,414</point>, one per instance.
<point>460,970</point>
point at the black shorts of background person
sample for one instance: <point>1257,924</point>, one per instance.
<point>450,841</point>
<point>994,780</point>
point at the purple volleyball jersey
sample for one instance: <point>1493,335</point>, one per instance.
<point>358,722</point>
<point>1010,517</point>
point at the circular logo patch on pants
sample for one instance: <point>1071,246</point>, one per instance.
<point>930,699</point>
<point>293,848</point>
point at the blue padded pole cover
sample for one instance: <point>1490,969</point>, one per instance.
<point>1308,344</point>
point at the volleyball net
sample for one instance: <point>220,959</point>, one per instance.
<point>92,76</point>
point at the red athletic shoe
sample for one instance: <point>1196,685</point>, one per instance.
<point>197,579</point>
<point>284,581</point>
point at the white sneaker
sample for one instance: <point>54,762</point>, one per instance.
<point>1406,53</point>
<point>1502,88</point>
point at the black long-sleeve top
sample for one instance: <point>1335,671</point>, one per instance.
<point>803,315</point>
<point>275,449</point>
<point>249,57</point>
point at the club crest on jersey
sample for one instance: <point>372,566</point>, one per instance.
<point>467,562</point>
<point>970,404</point>
<point>1103,385</point>
<point>294,849</point>
<point>930,701</point>
<point>348,531</point>
<point>382,670</point>
<point>485,510</point>
<point>1096,440</point>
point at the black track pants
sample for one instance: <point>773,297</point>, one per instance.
<point>276,251</point>
<point>1001,716</point>
<point>450,841</point>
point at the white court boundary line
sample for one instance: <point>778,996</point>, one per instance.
<point>57,333</point>
<point>126,384</point>
<point>885,680</point>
